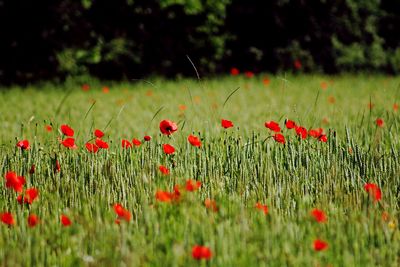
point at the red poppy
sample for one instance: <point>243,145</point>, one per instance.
<point>324,85</point>
<point>261,207</point>
<point>290,124</point>
<point>201,252</point>
<point>66,130</point>
<point>163,170</point>
<point>69,143</point>
<point>194,141</point>
<point>211,204</point>
<point>279,138</point>
<point>85,87</point>
<point>249,74</point>
<point>106,89</point>
<point>14,181</point>
<point>122,213</point>
<point>48,128</point>
<point>32,169</point>
<point>33,220</point>
<point>301,131</point>
<point>30,195</point>
<point>147,138</point>
<point>98,133</point>
<point>168,149</point>
<point>101,144</point>
<point>125,143</point>
<point>274,126</point>
<point>164,196</point>
<point>226,124</point>
<point>266,81</point>
<point>92,148</point>
<point>168,127</point>
<point>24,144</point>
<point>65,221</point>
<point>234,71</point>
<point>136,142</point>
<point>320,245</point>
<point>395,107</point>
<point>192,186</point>
<point>297,64</point>
<point>319,215</point>
<point>323,138</point>
<point>379,122</point>
<point>7,218</point>
<point>373,190</point>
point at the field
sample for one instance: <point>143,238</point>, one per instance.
<point>237,167</point>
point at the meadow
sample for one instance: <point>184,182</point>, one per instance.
<point>241,194</point>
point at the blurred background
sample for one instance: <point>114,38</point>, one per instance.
<point>128,39</point>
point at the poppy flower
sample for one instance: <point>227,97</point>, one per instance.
<point>101,144</point>
<point>323,138</point>
<point>164,196</point>
<point>320,245</point>
<point>226,124</point>
<point>126,143</point>
<point>69,143</point>
<point>98,133</point>
<point>65,221</point>
<point>136,142</point>
<point>273,126</point>
<point>48,128</point>
<point>379,122</point>
<point>122,212</point>
<point>92,148</point>
<point>147,138</point>
<point>194,141</point>
<point>106,89</point>
<point>168,127</point>
<point>395,107</point>
<point>14,181</point>
<point>279,138</point>
<point>373,190</point>
<point>192,186</point>
<point>261,207</point>
<point>290,124</point>
<point>319,215</point>
<point>66,130</point>
<point>33,220</point>
<point>24,144</point>
<point>7,218</point>
<point>201,252</point>
<point>297,64</point>
<point>163,170</point>
<point>324,85</point>
<point>168,149</point>
<point>235,71</point>
<point>85,87</point>
<point>30,195</point>
<point>301,131</point>
<point>266,81</point>
<point>211,204</point>
<point>249,74</point>
<point>182,107</point>
<point>32,169</point>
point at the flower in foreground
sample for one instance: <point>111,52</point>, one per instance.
<point>279,138</point>
<point>136,142</point>
<point>201,252</point>
<point>319,215</point>
<point>30,195</point>
<point>23,144</point>
<point>168,149</point>
<point>164,170</point>
<point>301,131</point>
<point>320,245</point>
<point>65,221</point>
<point>101,144</point>
<point>379,122</point>
<point>374,191</point>
<point>194,140</point>
<point>98,133</point>
<point>168,127</point>
<point>262,207</point>
<point>226,124</point>
<point>290,124</point>
<point>69,143</point>
<point>14,181</point>
<point>147,138</point>
<point>235,71</point>
<point>125,143</point>
<point>67,130</point>
<point>7,218</point>
<point>273,126</point>
<point>92,148</point>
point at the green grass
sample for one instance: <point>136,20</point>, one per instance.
<point>237,167</point>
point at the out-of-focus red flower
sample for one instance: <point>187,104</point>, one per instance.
<point>211,204</point>
<point>168,149</point>
<point>69,143</point>
<point>290,124</point>
<point>101,144</point>
<point>374,191</point>
<point>125,143</point>
<point>30,195</point>
<point>395,107</point>
<point>226,124</point>
<point>266,81</point>
<point>106,89</point>
<point>163,170</point>
<point>7,218</point>
<point>85,87</point>
<point>379,122</point>
<point>67,130</point>
<point>98,133</point>
<point>273,126</point>
<point>136,142</point>
<point>201,252</point>
<point>324,85</point>
<point>48,128</point>
<point>297,64</point>
<point>92,148</point>
<point>168,127</point>
<point>320,245</point>
<point>235,71</point>
<point>164,196</point>
<point>65,221</point>
<point>262,207</point>
<point>319,215</point>
<point>194,141</point>
<point>14,181</point>
<point>24,145</point>
<point>122,213</point>
<point>301,131</point>
<point>33,220</point>
<point>249,74</point>
<point>279,138</point>
<point>147,138</point>
<point>192,185</point>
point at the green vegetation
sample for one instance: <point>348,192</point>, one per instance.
<point>237,167</point>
